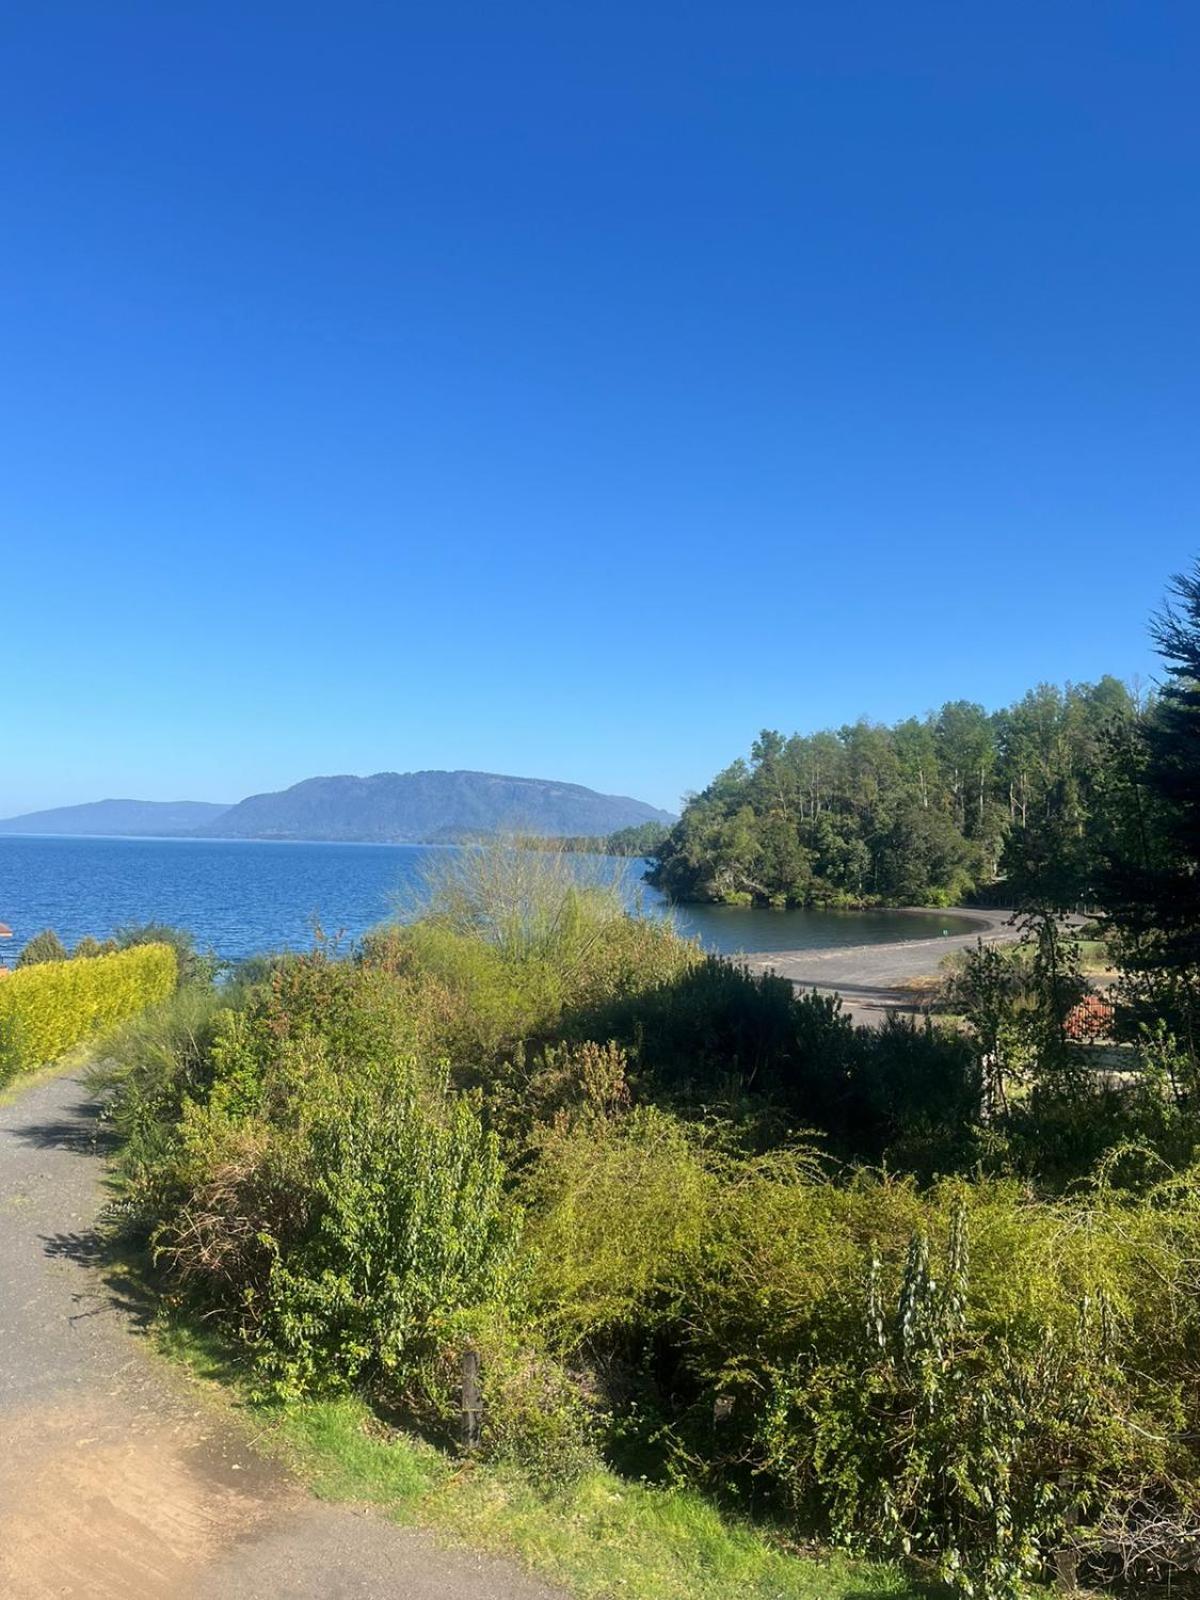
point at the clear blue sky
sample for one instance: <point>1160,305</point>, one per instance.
<point>574,390</point>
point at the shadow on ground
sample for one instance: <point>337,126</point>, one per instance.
<point>79,1130</point>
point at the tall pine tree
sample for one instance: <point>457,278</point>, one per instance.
<point>1153,889</point>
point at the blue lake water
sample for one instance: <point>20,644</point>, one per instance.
<point>241,898</point>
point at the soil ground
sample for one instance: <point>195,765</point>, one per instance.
<point>119,1479</point>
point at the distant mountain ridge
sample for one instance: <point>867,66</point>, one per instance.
<point>414,807</point>
<point>386,808</point>
<point>120,818</point>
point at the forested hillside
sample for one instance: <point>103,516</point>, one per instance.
<point>926,812</point>
<point>408,807</point>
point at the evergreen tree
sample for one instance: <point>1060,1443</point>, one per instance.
<point>1152,892</point>
<point>922,813</point>
<point>44,946</point>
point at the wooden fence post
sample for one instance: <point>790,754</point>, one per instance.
<point>1066,1560</point>
<point>472,1400</point>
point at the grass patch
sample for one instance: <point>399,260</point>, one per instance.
<point>1094,958</point>
<point>13,1088</point>
<point>602,1537</point>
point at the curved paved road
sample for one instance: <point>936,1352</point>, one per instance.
<point>871,978</point>
<point>119,1482</point>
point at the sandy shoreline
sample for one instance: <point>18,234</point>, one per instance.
<point>872,978</point>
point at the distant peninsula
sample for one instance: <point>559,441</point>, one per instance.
<point>147,819</point>
<point>386,808</point>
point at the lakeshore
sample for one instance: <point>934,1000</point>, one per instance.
<point>244,898</point>
<point>873,979</point>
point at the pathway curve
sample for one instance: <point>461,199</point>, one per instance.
<point>872,978</point>
<point>118,1480</point>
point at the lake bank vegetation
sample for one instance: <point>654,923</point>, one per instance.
<point>644,840</point>
<point>931,811</point>
<point>533,1180</point>
<point>52,1003</point>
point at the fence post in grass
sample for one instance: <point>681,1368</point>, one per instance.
<point>472,1401</point>
<point>1066,1559</point>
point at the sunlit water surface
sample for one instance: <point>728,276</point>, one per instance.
<point>241,898</point>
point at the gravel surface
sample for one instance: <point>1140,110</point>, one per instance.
<point>118,1479</point>
<point>872,978</point>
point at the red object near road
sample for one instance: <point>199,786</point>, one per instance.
<point>1092,1018</point>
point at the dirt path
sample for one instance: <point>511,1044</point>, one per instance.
<point>872,978</point>
<point>117,1480</point>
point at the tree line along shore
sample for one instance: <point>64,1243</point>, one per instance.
<point>956,806</point>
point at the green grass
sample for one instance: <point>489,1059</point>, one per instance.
<point>14,1086</point>
<point>602,1537</point>
<point>1094,957</point>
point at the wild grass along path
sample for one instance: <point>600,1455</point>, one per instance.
<point>118,1479</point>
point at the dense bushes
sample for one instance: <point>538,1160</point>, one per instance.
<point>966,1373</point>
<point>49,1006</point>
<point>44,946</point>
<point>699,1223</point>
<point>718,1036</point>
<point>406,1231</point>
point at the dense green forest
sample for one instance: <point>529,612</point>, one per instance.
<point>1036,797</point>
<point>645,839</point>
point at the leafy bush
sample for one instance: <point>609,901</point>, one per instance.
<point>986,1407</point>
<point>482,998</point>
<point>44,946</point>
<point>721,1249</point>
<point>407,1230</point>
<point>147,1069</point>
<point>48,1008</point>
<point>617,1214</point>
<point>718,1035</point>
<point>193,967</point>
<point>301,1170</point>
<point>537,1416</point>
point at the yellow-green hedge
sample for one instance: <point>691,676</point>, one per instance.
<point>47,1009</point>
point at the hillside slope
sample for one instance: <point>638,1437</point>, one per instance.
<point>418,806</point>
<point>144,818</point>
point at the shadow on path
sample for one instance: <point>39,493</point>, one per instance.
<point>79,1130</point>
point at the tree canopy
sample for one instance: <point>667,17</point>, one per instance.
<point>924,812</point>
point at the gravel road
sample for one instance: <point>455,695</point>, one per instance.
<point>118,1479</point>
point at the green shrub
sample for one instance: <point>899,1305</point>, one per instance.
<point>988,1373</point>
<point>617,1215</point>
<point>932,1419</point>
<point>44,946</point>
<point>513,943</point>
<point>715,1034</point>
<point>48,1008</point>
<point>536,1416</point>
<point>407,1231</point>
<point>891,1392</point>
<point>145,1070</point>
<point>193,967</point>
